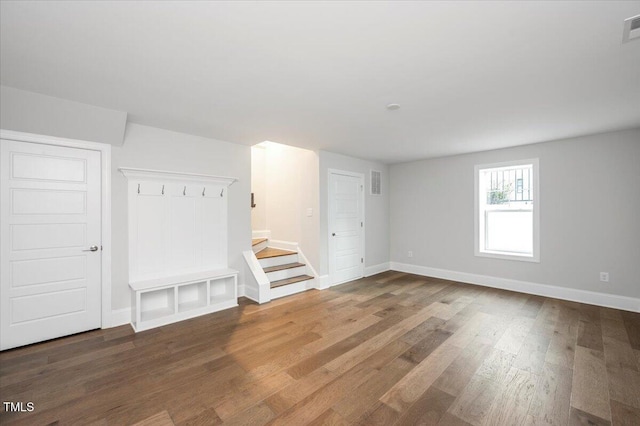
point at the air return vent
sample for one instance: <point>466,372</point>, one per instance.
<point>375,182</point>
<point>631,29</point>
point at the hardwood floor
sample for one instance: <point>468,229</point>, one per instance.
<point>394,348</point>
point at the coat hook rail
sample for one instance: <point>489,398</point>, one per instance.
<point>203,189</point>
<point>222,192</point>
<point>184,191</point>
<point>162,189</point>
<point>138,188</point>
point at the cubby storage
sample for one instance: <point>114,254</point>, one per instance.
<point>157,304</point>
<point>166,300</point>
<point>192,296</point>
<point>221,289</point>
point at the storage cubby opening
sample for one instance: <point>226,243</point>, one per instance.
<point>192,296</point>
<point>222,289</point>
<point>157,304</point>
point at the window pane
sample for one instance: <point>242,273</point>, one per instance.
<point>507,185</point>
<point>509,231</point>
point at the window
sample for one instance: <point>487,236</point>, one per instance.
<point>507,210</point>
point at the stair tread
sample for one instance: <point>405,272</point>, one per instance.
<point>273,252</point>
<point>256,241</point>
<point>282,267</point>
<point>291,280</point>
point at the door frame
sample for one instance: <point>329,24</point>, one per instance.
<point>330,247</point>
<point>105,202</point>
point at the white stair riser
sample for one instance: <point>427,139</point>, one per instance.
<point>286,273</point>
<point>287,290</point>
<point>278,260</point>
<point>258,247</point>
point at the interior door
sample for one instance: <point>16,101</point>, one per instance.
<point>50,249</point>
<point>346,226</point>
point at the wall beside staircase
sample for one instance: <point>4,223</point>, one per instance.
<point>376,211</point>
<point>285,183</point>
<point>259,188</point>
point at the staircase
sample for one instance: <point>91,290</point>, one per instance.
<point>286,274</point>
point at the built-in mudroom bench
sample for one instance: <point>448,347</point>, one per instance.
<point>161,301</point>
<point>177,246</point>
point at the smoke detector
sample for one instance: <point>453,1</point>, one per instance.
<point>631,29</point>
<point>393,107</point>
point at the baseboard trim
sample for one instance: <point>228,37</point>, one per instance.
<point>250,293</point>
<point>283,245</point>
<point>323,282</point>
<point>120,317</point>
<point>265,233</point>
<point>575,295</point>
<point>376,269</point>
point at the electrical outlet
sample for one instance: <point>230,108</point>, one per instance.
<point>409,253</point>
<point>604,277</point>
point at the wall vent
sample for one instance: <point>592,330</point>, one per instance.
<point>631,29</point>
<point>375,183</point>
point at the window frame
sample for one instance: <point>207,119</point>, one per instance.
<point>535,257</point>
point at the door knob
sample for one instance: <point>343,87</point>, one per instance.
<point>333,234</point>
<point>92,248</point>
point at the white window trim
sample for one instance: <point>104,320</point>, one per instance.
<point>536,212</point>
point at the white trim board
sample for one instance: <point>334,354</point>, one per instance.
<point>168,175</point>
<point>575,295</point>
<point>323,282</point>
<point>105,163</point>
<point>376,269</point>
<point>120,317</point>
<point>283,245</point>
<point>265,233</point>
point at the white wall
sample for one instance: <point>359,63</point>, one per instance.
<point>30,112</point>
<point>309,188</point>
<point>376,208</point>
<point>152,148</point>
<point>589,213</point>
<point>258,187</point>
<point>285,183</point>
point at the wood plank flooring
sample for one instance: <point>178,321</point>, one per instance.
<point>394,348</point>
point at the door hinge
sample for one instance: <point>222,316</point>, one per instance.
<point>361,225</point>
<point>362,260</point>
<point>361,188</point>
<point>100,248</point>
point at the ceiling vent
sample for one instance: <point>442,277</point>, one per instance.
<point>631,29</point>
<point>375,183</point>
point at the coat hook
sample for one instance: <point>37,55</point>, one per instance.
<point>203,189</point>
<point>221,192</point>
<point>184,191</point>
<point>162,189</point>
<point>138,188</point>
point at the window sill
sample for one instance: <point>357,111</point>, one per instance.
<point>505,256</point>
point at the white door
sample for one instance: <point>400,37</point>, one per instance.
<point>346,227</point>
<point>50,245</point>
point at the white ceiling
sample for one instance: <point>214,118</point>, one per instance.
<point>469,76</point>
